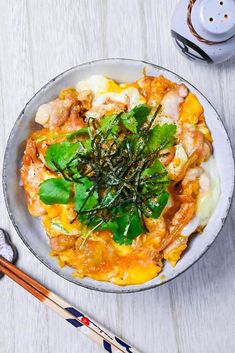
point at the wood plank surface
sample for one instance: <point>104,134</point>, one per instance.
<point>194,313</point>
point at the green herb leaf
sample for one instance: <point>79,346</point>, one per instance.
<point>60,154</point>
<point>129,227</point>
<point>155,180</point>
<point>156,168</point>
<point>109,122</point>
<point>136,117</point>
<point>158,206</point>
<point>55,190</point>
<point>110,225</point>
<point>129,121</point>
<point>161,136</point>
<point>108,198</point>
<point>125,228</point>
<point>85,197</point>
<point>87,146</point>
<point>141,113</point>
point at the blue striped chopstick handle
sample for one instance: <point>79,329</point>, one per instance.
<point>110,342</point>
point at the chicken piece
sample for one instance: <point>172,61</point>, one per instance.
<point>32,176</point>
<point>206,151</point>
<point>85,99</point>
<point>82,102</point>
<point>190,184</point>
<point>174,251</point>
<point>33,173</point>
<point>154,88</point>
<point>178,222</point>
<point>176,166</point>
<point>172,100</point>
<point>183,207</point>
<point>107,108</point>
<point>69,93</point>
<point>54,113</point>
<point>192,140</point>
<point>62,242</point>
<point>75,121</point>
<point>196,183</point>
<point>182,217</point>
<point>192,175</point>
<point>202,126</point>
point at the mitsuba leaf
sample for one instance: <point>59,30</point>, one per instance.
<point>136,117</point>
<point>60,154</point>
<point>155,178</point>
<point>129,121</point>
<point>156,169</point>
<point>161,136</point>
<point>141,113</point>
<point>125,228</point>
<point>55,190</point>
<point>85,197</point>
<point>109,123</point>
<point>158,206</point>
<point>110,225</point>
<point>87,146</point>
<point>108,198</point>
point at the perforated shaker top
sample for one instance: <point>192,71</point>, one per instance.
<point>214,20</point>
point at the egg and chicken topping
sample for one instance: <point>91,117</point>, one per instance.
<point>122,175</point>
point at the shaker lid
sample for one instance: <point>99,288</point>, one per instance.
<point>214,20</point>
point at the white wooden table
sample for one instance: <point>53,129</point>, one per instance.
<point>194,313</point>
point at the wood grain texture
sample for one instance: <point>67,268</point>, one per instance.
<point>194,313</point>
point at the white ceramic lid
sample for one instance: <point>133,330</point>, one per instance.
<point>214,20</point>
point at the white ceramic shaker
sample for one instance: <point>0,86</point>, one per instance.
<point>204,30</point>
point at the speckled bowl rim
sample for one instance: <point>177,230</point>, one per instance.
<point>70,278</point>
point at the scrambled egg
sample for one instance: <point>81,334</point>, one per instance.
<point>104,89</point>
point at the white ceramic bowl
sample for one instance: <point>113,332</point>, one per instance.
<point>30,229</point>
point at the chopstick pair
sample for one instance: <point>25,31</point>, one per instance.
<point>75,317</point>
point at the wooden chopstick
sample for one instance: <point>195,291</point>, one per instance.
<point>96,332</point>
<point>28,283</point>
